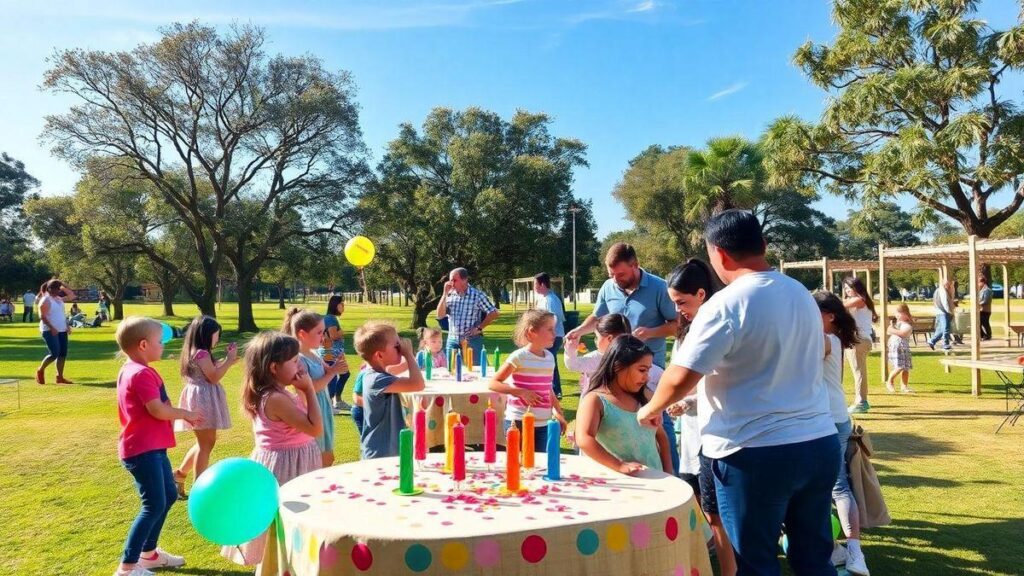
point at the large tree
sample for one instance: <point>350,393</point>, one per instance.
<point>21,266</point>
<point>917,106</point>
<point>247,149</point>
<point>470,189</point>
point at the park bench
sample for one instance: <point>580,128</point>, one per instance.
<point>922,326</point>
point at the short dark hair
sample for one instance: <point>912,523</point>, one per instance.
<point>543,279</point>
<point>737,232</point>
<point>620,252</point>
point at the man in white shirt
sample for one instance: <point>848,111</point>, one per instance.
<point>551,302</point>
<point>28,301</point>
<point>764,413</point>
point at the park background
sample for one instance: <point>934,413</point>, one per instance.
<point>219,164</point>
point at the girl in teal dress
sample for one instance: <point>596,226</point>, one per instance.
<point>607,430</point>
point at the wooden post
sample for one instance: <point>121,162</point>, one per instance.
<point>871,293</point>
<point>825,275</point>
<point>883,318</point>
<point>1006,303</point>
<point>972,261</point>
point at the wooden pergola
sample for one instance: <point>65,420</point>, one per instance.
<point>524,286</point>
<point>973,254</point>
<point>829,268</point>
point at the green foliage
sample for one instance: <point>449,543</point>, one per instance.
<point>916,107</point>
<point>472,189</point>
<point>22,266</point>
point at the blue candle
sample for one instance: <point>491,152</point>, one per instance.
<point>554,440</point>
<point>458,366</point>
<point>421,359</point>
<point>483,362</point>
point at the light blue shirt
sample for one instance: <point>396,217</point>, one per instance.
<point>552,303</point>
<point>648,307</point>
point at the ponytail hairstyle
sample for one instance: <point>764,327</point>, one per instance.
<point>623,352</point>
<point>844,326</point>
<point>258,382</point>
<point>857,285</point>
<point>425,333</point>
<point>300,319</point>
<point>688,278</point>
<point>614,325</point>
<point>198,336</point>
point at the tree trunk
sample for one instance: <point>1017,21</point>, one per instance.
<point>118,308</point>
<point>168,298</point>
<point>207,303</point>
<point>420,313</point>
<point>246,322</point>
<point>280,295</point>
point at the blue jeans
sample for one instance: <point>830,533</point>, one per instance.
<point>56,344</point>
<point>357,417</point>
<point>842,494</point>
<point>760,489</point>
<point>540,435</point>
<point>476,343</point>
<point>942,322</point>
<point>155,482</point>
<point>337,384</point>
<point>673,447</point>
<point>556,381</point>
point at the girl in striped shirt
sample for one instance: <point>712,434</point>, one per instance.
<point>532,370</point>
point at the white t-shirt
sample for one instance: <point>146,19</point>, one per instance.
<point>758,342</point>
<point>55,314</point>
<point>832,376</point>
<point>863,318</point>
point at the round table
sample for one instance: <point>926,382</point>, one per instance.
<point>346,520</point>
<point>469,398</point>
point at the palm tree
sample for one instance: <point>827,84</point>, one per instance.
<point>727,174</point>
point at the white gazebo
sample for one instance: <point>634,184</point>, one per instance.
<point>829,268</point>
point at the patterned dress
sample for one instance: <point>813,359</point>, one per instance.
<point>899,349</point>
<point>202,396</point>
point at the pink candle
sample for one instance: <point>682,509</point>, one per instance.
<point>459,444</point>
<point>490,434</point>
<point>420,425</point>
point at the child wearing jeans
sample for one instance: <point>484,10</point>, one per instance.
<point>284,425</point>
<point>146,416</point>
<point>532,368</point>
<point>379,346</point>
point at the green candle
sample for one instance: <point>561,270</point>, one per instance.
<point>497,358</point>
<point>430,366</point>
<point>405,483</point>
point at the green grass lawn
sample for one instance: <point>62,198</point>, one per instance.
<point>955,490</point>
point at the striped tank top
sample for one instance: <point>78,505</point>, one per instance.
<point>532,372</point>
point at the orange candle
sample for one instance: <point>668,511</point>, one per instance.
<point>529,421</point>
<point>512,459</point>
<point>449,441</point>
<point>469,358</point>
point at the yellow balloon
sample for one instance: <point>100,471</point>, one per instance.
<point>359,251</point>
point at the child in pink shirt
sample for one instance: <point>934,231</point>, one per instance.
<point>146,415</point>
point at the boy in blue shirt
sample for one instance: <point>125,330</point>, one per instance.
<point>379,346</point>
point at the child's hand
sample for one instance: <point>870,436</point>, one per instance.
<point>232,353</point>
<point>630,468</point>
<point>340,365</point>
<point>648,419</point>
<point>193,418</point>
<point>528,396</point>
<point>302,381</point>
<point>405,347</point>
<point>571,339</point>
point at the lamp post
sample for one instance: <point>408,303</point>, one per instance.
<point>574,209</point>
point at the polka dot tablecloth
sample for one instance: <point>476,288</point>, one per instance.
<point>468,398</point>
<point>346,520</point>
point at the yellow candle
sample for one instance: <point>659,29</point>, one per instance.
<point>449,441</point>
<point>529,421</point>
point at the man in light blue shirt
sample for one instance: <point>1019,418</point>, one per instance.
<point>638,295</point>
<point>551,302</point>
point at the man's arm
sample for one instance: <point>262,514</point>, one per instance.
<point>675,384</point>
<point>583,329</point>
<point>664,331</point>
<point>491,317</point>
<point>442,304</point>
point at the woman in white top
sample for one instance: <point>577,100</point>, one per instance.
<point>841,332</point>
<point>608,327</point>
<point>858,302</point>
<point>53,326</point>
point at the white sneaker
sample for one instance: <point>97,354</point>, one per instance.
<point>839,554</point>
<point>162,560</point>
<point>342,407</point>
<point>137,571</point>
<point>855,563</point>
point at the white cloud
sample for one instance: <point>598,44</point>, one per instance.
<point>645,6</point>
<point>731,89</point>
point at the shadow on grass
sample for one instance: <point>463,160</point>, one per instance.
<point>893,446</point>
<point>919,547</point>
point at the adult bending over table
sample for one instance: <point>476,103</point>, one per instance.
<point>53,326</point>
<point>463,305</point>
<point>764,414</point>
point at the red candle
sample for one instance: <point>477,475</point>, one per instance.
<point>512,459</point>
<point>490,434</point>
<point>459,441</point>
<point>420,426</point>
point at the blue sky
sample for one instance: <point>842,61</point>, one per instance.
<point>618,74</point>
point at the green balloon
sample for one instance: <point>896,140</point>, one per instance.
<point>234,501</point>
<point>837,529</point>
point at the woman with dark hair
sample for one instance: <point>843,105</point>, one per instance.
<point>54,328</point>
<point>690,285</point>
<point>333,351</point>
<point>104,306</point>
<point>862,307</point>
<point>841,333</point>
